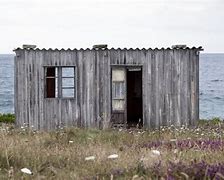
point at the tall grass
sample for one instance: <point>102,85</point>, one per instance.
<point>180,153</point>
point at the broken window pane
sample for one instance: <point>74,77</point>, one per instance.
<point>51,82</point>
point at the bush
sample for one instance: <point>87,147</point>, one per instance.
<point>216,120</point>
<point>7,118</point>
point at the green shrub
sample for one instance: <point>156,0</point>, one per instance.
<point>7,118</point>
<point>216,120</point>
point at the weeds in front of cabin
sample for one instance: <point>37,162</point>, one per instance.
<point>7,118</point>
<point>171,153</point>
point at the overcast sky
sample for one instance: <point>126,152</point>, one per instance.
<point>118,23</point>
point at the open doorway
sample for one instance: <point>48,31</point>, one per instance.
<point>134,97</point>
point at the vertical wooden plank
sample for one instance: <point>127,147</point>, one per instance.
<point>105,84</point>
<point>185,88</point>
<point>145,78</point>
<point>167,88</point>
<point>108,90</point>
<point>158,87</point>
<point>182,88</point>
<point>40,72</point>
<point>153,90</point>
<point>147,89</point>
<point>16,107</point>
<point>197,87</point>
<point>87,62</point>
<point>162,108</point>
<point>176,87</point>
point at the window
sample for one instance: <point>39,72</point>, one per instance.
<point>118,89</point>
<point>60,82</point>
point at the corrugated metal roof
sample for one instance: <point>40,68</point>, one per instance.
<point>120,49</point>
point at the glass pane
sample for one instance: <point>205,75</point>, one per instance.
<point>118,91</point>
<point>68,93</point>
<point>118,75</point>
<point>67,82</point>
<point>118,105</point>
<point>68,72</point>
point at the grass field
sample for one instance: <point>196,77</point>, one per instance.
<point>171,153</point>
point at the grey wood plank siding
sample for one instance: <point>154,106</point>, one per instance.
<point>170,87</point>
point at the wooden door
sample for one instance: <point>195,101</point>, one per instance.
<point>118,96</point>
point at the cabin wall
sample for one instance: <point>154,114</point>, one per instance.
<point>170,87</point>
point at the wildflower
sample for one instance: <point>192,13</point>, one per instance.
<point>90,158</point>
<point>156,152</point>
<point>70,141</point>
<point>10,172</point>
<point>113,156</point>
<point>26,171</point>
<point>173,140</point>
<point>135,177</point>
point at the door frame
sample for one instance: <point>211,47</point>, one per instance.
<point>126,67</point>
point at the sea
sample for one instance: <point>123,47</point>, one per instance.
<point>211,85</point>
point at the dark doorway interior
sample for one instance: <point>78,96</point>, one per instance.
<point>134,97</point>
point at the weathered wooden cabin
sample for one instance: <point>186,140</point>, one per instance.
<point>102,88</point>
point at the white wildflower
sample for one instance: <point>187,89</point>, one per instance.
<point>26,171</point>
<point>90,158</point>
<point>70,141</point>
<point>173,140</point>
<point>156,152</point>
<point>113,156</point>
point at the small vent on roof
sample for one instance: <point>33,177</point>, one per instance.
<point>179,46</point>
<point>100,46</point>
<point>28,46</point>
